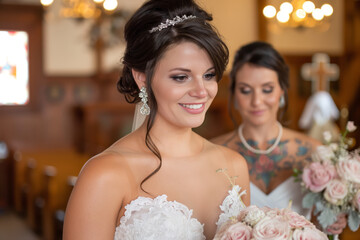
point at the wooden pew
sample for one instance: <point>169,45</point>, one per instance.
<point>45,185</point>
<point>60,213</point>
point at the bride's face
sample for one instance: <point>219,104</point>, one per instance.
<point>184,85</point>
<point>257,94</point>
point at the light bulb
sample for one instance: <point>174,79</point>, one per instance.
<point>269,11</point>
<point>282,16</point>
<point>300,13</point>
<point>327,9</point>
<point>317,14</point>
<point>110,5</point>
<point>308,6</point>
<point>286,7</point>
<point>46,2</point>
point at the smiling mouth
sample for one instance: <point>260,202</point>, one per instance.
<point>192,106</point>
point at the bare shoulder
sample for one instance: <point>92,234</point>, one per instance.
<point>237,167</point>
<point>224,139</point>
<point>235,158</point>
<point>292,134</point>
<point>108,169</point>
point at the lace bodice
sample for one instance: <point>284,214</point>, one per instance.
<point>149,219</point>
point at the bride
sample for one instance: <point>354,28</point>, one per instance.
<point>161,181</point>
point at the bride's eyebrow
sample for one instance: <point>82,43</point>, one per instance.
<point>188,70</point>
<point>180,69</point>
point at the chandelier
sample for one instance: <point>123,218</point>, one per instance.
<point>84,8</point>
<point>299,13</point>
<point>107,20</point>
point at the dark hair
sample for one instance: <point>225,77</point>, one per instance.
<point>145,49</point>
<point>260,54</point>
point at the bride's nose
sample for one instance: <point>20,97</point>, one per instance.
<point>198,89</point>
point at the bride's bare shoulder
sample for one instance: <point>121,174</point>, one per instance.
<point>225,138</point>
<point>227,153</point>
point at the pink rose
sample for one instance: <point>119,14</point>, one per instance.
<point>316,176</point>
<point>308,234</point>
<point>356,200</point>
<point>349,169</point>
<point>271,228</point>
<point>296,220</point>
<point>335,192</point>
<point>236,231</point>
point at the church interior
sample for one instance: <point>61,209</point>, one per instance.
<point>69,109</point>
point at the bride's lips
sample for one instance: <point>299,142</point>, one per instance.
<point>193,108</point>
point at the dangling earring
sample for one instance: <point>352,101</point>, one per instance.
<point>282,101</point>
<point>145,109</point>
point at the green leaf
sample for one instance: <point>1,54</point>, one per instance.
<point>330,237</point>
<point>310,199</point>
<point>354,220</point>
<point>327,217</point>
<point>319,206</point>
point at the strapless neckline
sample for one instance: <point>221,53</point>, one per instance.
<point>171,218</point>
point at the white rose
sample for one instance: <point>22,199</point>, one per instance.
<point>349,169</point>
<point>324,153</point>
<point>254,215</point>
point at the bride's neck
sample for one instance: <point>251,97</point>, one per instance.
<point>174,142</point>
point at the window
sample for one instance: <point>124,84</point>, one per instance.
<point>21,70</point>
<point>14,68</point>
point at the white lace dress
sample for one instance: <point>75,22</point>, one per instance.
<point>159,219</point>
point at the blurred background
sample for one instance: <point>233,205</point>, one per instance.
<point>60,61</point>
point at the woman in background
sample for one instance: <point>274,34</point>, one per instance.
<point>258,89</point>
<point>161,181</point>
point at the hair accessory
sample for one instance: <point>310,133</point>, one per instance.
<point>145,109</point>
<point>259,151</point>
<point>282,101</point>
<point>172,22</point>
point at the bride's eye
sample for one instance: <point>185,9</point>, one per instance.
<point>210,76</point>
<point>179,78</point>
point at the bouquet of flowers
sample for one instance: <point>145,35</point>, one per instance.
<point>255,223</point>
<point>332,181</point>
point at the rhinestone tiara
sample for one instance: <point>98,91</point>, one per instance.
<point>172,22</point>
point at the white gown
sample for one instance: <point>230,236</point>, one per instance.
<point>159,219</point>
<point>280,197</point>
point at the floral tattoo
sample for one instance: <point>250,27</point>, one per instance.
<point>267,166</point>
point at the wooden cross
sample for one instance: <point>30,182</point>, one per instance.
<point>320,72</point>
